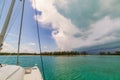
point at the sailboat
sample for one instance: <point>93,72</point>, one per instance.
<point>16,72</point>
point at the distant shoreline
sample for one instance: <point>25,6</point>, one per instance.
<point>63,53</point>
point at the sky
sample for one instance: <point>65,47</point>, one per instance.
<point>64,25</point>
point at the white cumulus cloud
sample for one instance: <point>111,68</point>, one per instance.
<point>24,48</point>
<point>8,48</point>
<point>64,31</point>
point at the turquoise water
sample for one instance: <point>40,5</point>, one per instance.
<point>74,67</point>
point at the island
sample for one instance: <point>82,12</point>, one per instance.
<point>63,53</point>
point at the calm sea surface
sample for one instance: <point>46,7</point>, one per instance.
<point>74,67</point>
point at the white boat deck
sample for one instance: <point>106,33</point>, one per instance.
<point>13,72</point>
<point>32,74</point>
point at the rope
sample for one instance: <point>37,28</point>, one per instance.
<point>2,8</point>
<point>19,40</point>
<point>39,42</point>
<point>17,11</point>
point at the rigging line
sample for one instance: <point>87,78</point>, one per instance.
<point>4,61</point>
<point>13,22</point>
<point>21,25</point>
<point>39,41</point>
<point>2,8</point>
<point>16,11</point>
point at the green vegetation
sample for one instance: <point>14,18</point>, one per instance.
<point>49,53</point>
<point>67,53</point>
<point>5,53</point>
<point>61,53</point>
<point>110,53</point>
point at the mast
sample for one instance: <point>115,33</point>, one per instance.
<point>6,23</point>
<point>21,23</point>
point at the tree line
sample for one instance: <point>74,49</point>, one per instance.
<point>48,53</point>
<point>63,53</point>
<point>110,53</point>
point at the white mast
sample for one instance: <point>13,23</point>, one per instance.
<point>5,26</point>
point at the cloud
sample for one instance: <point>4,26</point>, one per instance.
<point>63,4</point>
<point>63,29</point>
<point>8,48</point>
<point>24,48</point>
<point>32,44</point>
<point>100,29</point>
<point>12,35</point>
<point>108,7</point>
<point>106,4</point>
<point>29,47</point>
<point>104,30</point>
